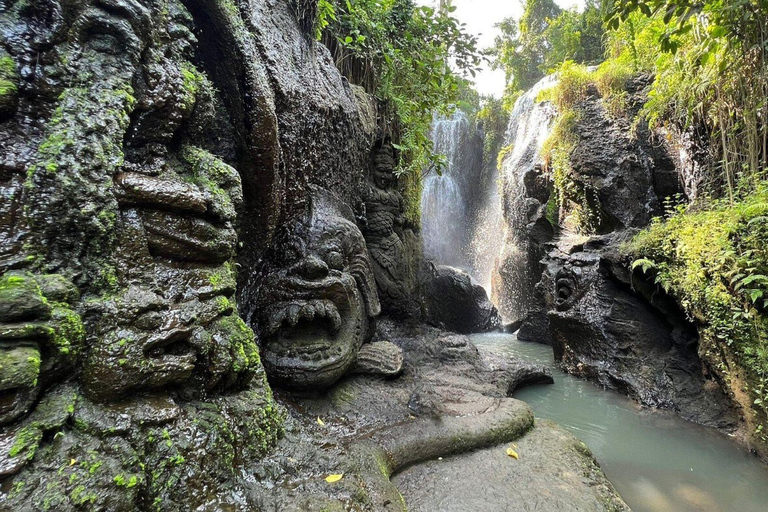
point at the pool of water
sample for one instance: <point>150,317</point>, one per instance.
<point>657,461</point>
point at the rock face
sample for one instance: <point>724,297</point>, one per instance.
<point>603,322</point>
<point>625,178</point>
<point>165,166</point>
<point>455,302</point>
<point>120,330</point>
<point>147,146</point>
<point>602,327</point>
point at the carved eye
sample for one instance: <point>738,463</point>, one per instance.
<point>335,259</point>
<point>564,289</point>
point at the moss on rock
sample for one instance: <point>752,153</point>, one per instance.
<point>714,262</point>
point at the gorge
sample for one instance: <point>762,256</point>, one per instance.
<point>277,255</point>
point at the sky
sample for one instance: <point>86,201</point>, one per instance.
<point>480,16</point>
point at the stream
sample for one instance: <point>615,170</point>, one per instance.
<point>657,461</point>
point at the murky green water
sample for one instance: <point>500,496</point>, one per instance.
<point>657,461</point>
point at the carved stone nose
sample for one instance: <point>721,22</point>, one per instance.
<point>313,268</point>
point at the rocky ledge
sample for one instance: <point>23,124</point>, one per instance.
<point>386,437</point>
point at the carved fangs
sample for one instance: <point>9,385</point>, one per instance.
<point>292,313</point>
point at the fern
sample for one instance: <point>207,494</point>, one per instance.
<point>645,264</point>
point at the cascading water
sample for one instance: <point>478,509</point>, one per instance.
<point>529,126</point>
<point>468,223</point>
<point>447,199</point>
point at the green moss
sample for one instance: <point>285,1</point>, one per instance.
<point>7,88</point>
<point>69,333</point>
<point>7,67</point>
<point>22,289</point>
<point>8,78</point>
<point>19,367</point>
<point>714,261</point>
<point>26,442</point>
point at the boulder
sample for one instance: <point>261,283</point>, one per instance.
<point>454,301</point>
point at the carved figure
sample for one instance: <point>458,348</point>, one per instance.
<point>319,308</point>
<point>117,241</point>
<point>384,211</point>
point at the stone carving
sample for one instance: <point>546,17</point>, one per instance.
<point>320,305</point>
<point>40,337</point>
<point>601,326</point>
<point>175,225</point>
<point>384,216</point>
<point>118,325</point>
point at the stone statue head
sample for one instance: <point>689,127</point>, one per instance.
<point>126,179</point>
<point>174,322</point>
<point>318,308</point>
<point>383,169</point>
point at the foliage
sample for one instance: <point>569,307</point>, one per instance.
<point>709,58</point>
<point>715,262</point>
<point>400,53</point>
<point>494,118</point>
<point>575,203</point>
<point>545,37</point>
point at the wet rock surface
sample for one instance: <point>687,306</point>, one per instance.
<point>605,322</point>
<point>602,327</point>
<point>455,302</point>
<point>448,400</point>
<point>161,174</point>
<point>554,471</point>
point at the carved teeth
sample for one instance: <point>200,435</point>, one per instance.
<point>308,312</point>
<point>335,318</point>
<point>290,314</point>
<point>320,309</point>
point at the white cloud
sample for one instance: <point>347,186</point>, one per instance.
<point>480,17</point>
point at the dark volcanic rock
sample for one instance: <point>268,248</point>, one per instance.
<point>602,328</point>
<point>455,302</point>
<point>625,176</point>
<point>158,173</point>
<point>604,324</point>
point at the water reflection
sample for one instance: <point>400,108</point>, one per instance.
<point>657,461</point>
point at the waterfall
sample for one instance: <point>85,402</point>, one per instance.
<point>529,126</point>
<point>448,200</point>
<point>480,220</point>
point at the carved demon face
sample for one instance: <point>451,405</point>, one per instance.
<point>318,309</point>
<point>172,320</point>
